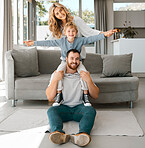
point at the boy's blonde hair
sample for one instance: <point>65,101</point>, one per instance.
<point>72,25</point>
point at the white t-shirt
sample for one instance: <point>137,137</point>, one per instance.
<point>72,92</point>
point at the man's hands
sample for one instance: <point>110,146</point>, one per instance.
<point>29,42</point>
<point>109,32</point>
<point>85,76</point>
<point>58,75</point>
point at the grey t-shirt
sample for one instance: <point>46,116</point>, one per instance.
<point>72,92</point>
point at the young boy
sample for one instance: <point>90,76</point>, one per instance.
<point>70,41</point>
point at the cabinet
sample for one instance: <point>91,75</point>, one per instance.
<point>136,18</point>
<point>129,18</point>
<point>135,46</point>
<point>120,18</point>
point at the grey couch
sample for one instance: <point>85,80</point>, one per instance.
<point>112,89</point>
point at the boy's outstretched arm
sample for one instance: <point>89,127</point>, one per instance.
<point>29,42</point>
<point>48,43</point>
<point>95,38</point>
<point>109,32</point>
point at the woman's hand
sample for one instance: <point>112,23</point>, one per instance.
<point>29,42</point>
<point>109,32</point>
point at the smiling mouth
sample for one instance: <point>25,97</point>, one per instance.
<point>62,16</point>
<point>74,64</point>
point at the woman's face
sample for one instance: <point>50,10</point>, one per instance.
<point>60,13</point>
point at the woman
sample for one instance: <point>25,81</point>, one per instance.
<point>59,16</point>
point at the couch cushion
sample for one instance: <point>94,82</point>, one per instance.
<point>114,97</point>
<point>26,62</point>
<point>115,84</point>
<point>48,61</point>
<point>93,63</point>
<point>117,65</point>
<point>32,83</point>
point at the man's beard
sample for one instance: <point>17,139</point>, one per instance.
<point>73,67</point>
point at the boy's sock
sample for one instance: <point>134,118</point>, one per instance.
<point>58,99</point>
<point>86,100</point>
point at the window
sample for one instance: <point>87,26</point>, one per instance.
<point>42,14</point>
<point>88,16</point>
<point>14,18</point>
<point>20,21</point>
<point>88,12</point>
<point>128,6</point>
<point>25,21</point>
<point>72,6</point>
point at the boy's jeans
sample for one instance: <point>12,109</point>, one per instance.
<point>85,115</point>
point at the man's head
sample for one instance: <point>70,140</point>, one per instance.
<point>73,59</point>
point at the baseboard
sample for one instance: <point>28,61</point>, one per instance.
<point>140,75</point>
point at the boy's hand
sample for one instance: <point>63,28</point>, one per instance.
<point>29,42</point>
<point>109,32</point>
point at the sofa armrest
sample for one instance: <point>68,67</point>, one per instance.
<point>9,76</point>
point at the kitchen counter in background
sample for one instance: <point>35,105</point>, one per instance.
<point>135,46</point>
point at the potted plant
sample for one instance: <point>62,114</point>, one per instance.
<point>129,32</point>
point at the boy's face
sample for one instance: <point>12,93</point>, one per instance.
<point>70,33</point>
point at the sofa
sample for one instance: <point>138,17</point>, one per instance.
<point>113,89</point>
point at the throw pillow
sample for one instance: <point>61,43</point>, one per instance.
<point>117,65</point>
<point>26,62</point>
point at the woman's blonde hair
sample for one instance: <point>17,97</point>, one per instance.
<point>54,23</point>
<point>72,25</point>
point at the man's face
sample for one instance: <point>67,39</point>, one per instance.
<point>73,60</point>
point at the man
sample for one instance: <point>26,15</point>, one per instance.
<point>72,108</point>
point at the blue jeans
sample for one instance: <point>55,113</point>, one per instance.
<point>85,115</point>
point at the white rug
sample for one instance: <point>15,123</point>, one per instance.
<point>112,123</point>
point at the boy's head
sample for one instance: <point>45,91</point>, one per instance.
<point>70,30</point>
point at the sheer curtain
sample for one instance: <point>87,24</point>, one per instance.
<point>5,33</point>
<point>100,11</point>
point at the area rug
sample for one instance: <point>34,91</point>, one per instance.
<point>110,123</point>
